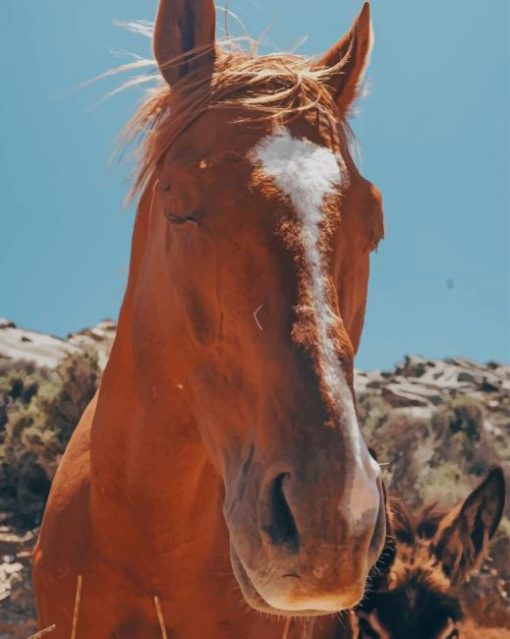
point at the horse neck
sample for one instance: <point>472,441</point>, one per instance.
<point>146,448</point>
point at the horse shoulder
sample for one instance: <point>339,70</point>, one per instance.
<point>65,527</point>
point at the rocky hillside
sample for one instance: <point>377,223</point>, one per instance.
<point>437,426</point>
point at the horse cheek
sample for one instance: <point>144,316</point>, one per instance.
<point>202,322</point>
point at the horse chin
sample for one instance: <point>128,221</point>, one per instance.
<point>255,600</point>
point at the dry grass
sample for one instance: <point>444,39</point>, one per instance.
<point>43,632</point>
<point>76,616</point>
<point>161,619</point>
<point>77,602</point>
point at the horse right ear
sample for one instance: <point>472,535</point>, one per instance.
<point>350,56</point>
<point>184,37</point>
<point>463,537</point>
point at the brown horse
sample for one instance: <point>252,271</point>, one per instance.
<point>222,460</point>
<point>415,592</point>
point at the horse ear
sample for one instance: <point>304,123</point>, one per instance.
<point>350,56</point>
<point>462,540</point>
<point>184,37</point>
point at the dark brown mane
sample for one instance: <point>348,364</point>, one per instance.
<point>269,87</point>
<point>409,526</point>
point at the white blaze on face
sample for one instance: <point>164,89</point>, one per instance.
<point>307,174</point>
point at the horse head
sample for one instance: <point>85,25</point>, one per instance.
<point>250,299</point>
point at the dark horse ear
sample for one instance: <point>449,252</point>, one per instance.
<point>184,37</point>
<point>462,540</point>
<point>351,55</point>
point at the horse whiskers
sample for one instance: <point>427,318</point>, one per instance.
<point>286,629</point>
<point>77,601</point>
<point>308,628</point>
<point>161,619</point>
<point>43,632</point>
<point>354,622</point>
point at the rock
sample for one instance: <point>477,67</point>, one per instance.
<point>367,380</point>
<point>465,376</point>
<point>413,366</point>
<point>418,413</point>
<point>99,339</point>
<point>18,615</point>
<point>17,344</point>
<point>489,386</point>
<point>405,394</point>
<point>10,575</point>
<point>464,362</point>
<point>43,350</point>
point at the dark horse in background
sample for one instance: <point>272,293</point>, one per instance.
<point>416,589</point>
<point>221,470</point>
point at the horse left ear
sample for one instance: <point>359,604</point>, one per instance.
<point>462,540</point>
<point>184,37</point>
<point>351,56</point>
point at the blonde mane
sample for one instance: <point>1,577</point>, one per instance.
<point>265,87</point>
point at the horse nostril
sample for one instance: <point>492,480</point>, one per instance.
<point>280,526</point>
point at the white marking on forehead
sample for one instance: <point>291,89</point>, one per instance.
<point>303,170</point>
<point>307,174</point>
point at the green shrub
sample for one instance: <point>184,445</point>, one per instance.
<point>39,410</point>
<point>434,458</point>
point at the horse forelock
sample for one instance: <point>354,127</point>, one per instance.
<point>276,87</point>
<point>414,553</point>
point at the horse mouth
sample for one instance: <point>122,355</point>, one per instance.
<point>255,600</point>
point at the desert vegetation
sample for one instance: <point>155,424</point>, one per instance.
<point>39,409</point>
<point>437,426</point>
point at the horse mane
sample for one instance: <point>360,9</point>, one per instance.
<point>266,87</point>
<point>412,563</point>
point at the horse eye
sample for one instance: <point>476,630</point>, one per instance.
<point>181,220</point>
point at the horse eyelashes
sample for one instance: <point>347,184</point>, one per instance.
<point>181,220</point>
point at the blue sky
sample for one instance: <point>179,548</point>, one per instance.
<point>434,134</point>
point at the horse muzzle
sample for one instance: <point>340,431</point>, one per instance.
<point>306,543</point>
